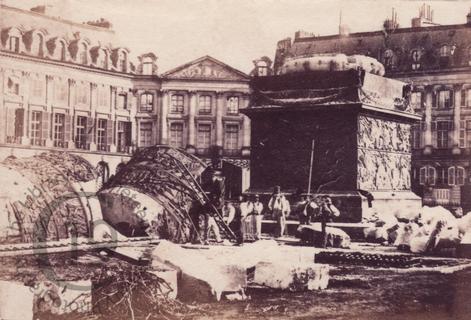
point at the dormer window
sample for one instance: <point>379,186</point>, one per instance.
<point>60,52</point>
<point>102,60</point>
<point>14,44</point>
<point>147,67</point>
<point>83,54</point>
<point>37,45</point>
<point>122,61</point>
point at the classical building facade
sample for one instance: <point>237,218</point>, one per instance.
<point>436,60</point>
<point>71,86</point>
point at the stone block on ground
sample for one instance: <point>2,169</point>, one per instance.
<point>16,301</point>
<point>292,276</point>
<point>200,278</point>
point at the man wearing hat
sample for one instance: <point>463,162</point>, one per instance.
<point>257,212</point>
<point>280,208</point>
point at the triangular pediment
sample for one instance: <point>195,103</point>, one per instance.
<point>206,68</point>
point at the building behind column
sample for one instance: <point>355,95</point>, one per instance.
<point>71,86</point>
<point>436,60</point>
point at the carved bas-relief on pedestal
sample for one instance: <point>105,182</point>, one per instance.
<point>362,152</point>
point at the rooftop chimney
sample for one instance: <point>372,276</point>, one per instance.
<point>391,24</point>
<point>425,18</point>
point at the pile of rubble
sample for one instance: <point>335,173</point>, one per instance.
<point>432,230</point>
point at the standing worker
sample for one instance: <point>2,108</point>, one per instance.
<point>326,213</point>
<point>280,208</point>
<point>258,216</point>
<point>216,196</point>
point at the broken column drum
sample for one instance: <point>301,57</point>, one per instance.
<point>360,123</point>
<point>152,194</point>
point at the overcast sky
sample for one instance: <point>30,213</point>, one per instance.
<point>236,31</point>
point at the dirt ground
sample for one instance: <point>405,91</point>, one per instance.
<point>361,293</point>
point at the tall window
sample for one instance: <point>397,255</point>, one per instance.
<point>14,43</point>
<point>416,100</point>
<point>427,175</point>
<point>467,98</point>
<point>415,136</point>
<point>81,133</point>
<point>177,103</point>
<point>204,138</point>
<point>176,135</point>
<point>147,66</point>
<point>83,54</point>
<point>233,105</point>
<point>442,133</point>
<point>83,91</point>
<point>101,135</point>
<point>442,176</point>
<point>145,134</point>
<point>59,130</point>
<point>231,138</point>
<point>147,102</point>
<point>36,128</point>
<point>444,99</point>
<point>204,104</point>
<point>124,136</point>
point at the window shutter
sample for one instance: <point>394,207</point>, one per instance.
<point>434,125</point>
<point>422,175</point>
<point>127,133</point>
<point>434,99</point>
<point>423,125</point>
<point>109,132</point>
<point>90,129</point>
<point>450,125</point>
<point>451,176</point>
<point>463,97</point>
<point>460,174</point>
<point>45,121</point>
<point>18,121</point>
<point>431,176</point>
<point>452,99</point>
<point>67,128</point>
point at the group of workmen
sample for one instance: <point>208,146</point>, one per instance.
<point>244,216</point>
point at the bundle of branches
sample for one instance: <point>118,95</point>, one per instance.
<point>134,293</point>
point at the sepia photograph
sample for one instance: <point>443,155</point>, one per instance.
<point>235,159</point>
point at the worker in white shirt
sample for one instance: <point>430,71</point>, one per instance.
<point>258,216</point>
<point>280,208</point>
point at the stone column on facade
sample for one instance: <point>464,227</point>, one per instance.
<point>191,123</point>
<point>113,92</point>
<point>132,115</point>
<point>220,106</point>
<point>456,119</point>
<point>49,97</point>
<point>428,144</point>
<point>93,105</point>
<point>246,136</point>
<point>163,118</point>
<point>71,101</point>
<point>25,140</point>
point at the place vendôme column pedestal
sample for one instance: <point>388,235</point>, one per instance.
<point>360,123</point>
